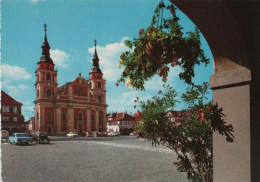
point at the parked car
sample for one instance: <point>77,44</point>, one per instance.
<point>5,134</point>
<point>72,134</point>
<point>133,134</point>
<point>42,138</point>
<point>19,138</point>
<point>33,137</point>
<point>113,133</point>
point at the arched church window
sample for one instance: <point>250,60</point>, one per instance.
<point>80,116</point>
<point>48,92</point>
<point>64,116</point>
<point>49,116</point>
<point>99,98</point>
<point>99,84</point>
<point>48,76</point>
<point>90,84</point>
<point>38,93</point>
<point>100,118</point>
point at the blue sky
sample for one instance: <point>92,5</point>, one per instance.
<point>72,27</point>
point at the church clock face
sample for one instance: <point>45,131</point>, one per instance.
<point>49,84</point>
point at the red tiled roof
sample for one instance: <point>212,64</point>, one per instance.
<point>121,116</point>
<point>7,99</point>
<point>137,116</point>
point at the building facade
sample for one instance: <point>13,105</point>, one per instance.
<point>11,114</point>
<point>120,122</point>
<point>31,125</point>
<point>78,106</point>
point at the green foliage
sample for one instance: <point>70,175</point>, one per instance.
<point>189,132</point>
<point>172,45</point>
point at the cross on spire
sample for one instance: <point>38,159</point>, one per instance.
<point>45,27</point>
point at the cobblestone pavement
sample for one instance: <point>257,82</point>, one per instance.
<point>106,159</point>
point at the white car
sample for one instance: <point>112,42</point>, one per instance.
<point>72,134</point>
<point>113,134</point>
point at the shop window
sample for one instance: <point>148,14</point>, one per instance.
<point>48,76</point>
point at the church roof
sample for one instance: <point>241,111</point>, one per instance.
<point>45,58</point>
<point>95,68</point>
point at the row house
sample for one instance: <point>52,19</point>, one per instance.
<point>120,122</point>
<point>12,119</point>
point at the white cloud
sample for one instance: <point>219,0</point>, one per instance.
<point>109,58</point>
<point>60,58</point>
<point>13,76</point>
<point>22,87</point>
<point>125,101</point>
<point>13,72</point>
<point>13,91</point>
<point>29,108</point>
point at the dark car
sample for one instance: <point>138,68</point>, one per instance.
<point>42,138</point>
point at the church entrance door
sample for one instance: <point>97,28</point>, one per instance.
<point>49,130</point>
<point>80,129</point>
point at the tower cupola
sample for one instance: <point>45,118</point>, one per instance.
<point>95,67</point>
<point>45,58</point>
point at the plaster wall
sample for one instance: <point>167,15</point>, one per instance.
<point>232,160</point>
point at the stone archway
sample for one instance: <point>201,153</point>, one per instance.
<point>232,31</point>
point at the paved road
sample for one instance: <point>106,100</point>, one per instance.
<point>107,159</point>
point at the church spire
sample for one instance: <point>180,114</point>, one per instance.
<point>45,49</point>
<point>95,59</point>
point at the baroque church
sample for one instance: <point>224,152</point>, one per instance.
<point>78,106</point>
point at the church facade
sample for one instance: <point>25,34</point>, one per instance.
<point>78,106</point>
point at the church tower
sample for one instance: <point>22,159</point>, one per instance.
<point>46,88</point>
<point>98,90</point>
